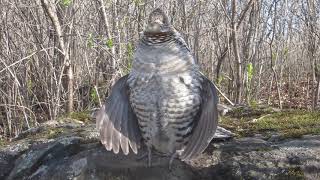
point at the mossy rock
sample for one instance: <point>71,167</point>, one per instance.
<point>289,124</point>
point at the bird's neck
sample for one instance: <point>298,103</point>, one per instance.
<point>152,38</point>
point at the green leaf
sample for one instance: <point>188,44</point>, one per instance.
<point>286,51</point>
<point>220,79</point>
<point>94,95</point>
<point>130,50</point>
<point>29,85</point>
<point>137,2</point>
<point>274,57</point>
<point>65,3</point>
<point>90,41</point>
<point>109,43</point>
<point>250,71</point>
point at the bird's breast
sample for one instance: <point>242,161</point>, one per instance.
<point>166,106</point>
<point>167,59</point>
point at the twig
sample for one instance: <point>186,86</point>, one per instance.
<point>229,101</point>
<point>27,57</point>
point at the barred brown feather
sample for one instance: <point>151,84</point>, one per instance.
<point>165,99</point>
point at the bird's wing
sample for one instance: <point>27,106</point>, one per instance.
<point>117,123</point>
<point>205,124</point>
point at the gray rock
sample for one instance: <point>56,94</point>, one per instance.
<point>76,153</point>
<point>254,158</point>
<point>223,109</point>
<point>222,134</point>
<point>5,164</point>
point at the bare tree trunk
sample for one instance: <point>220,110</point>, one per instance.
<point>278,87</point>
<point>225,50</point>
<point>317,94</point>
<point>248,51</point>
<point>108,31</point>
<point>274,57</point>
<point>50,9</point>
<point>308,87</point>
<point>259,82</point>
<point>116,32</point>
<point>236,54</point>
<point>270,91</point>
<point>197,24</point>
<point>312,46</point>
<point>141,12</point>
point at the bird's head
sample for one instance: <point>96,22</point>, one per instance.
<point>158,29</point>
<point>158,22</point>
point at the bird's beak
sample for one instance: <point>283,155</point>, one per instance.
<point>154,26</point>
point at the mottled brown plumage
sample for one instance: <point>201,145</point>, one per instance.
<point>164,101</point>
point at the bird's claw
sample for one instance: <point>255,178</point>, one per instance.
<point>173,156</point>
<point>147,154</point>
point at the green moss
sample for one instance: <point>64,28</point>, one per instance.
<point>250,112</point>
<point>50,133</point>
<point>83,116</point>
<point>254,103</point>
<point>288,123</point>
<point>3,142</point>
<point>53,133</point>
<point>294,173</point>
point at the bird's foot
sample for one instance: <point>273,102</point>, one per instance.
<point>173,156</point>
<point>147,154</point>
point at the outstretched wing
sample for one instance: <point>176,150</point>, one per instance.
<point>117,123</point>
<point>206,125</point>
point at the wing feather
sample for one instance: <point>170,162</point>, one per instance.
<point>116,122</point>
<point>124,144</point>
<point>133,132</point>
<point>206,125</point>
<point>117,131</point>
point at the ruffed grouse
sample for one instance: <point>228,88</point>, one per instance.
<point>164,102</point>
